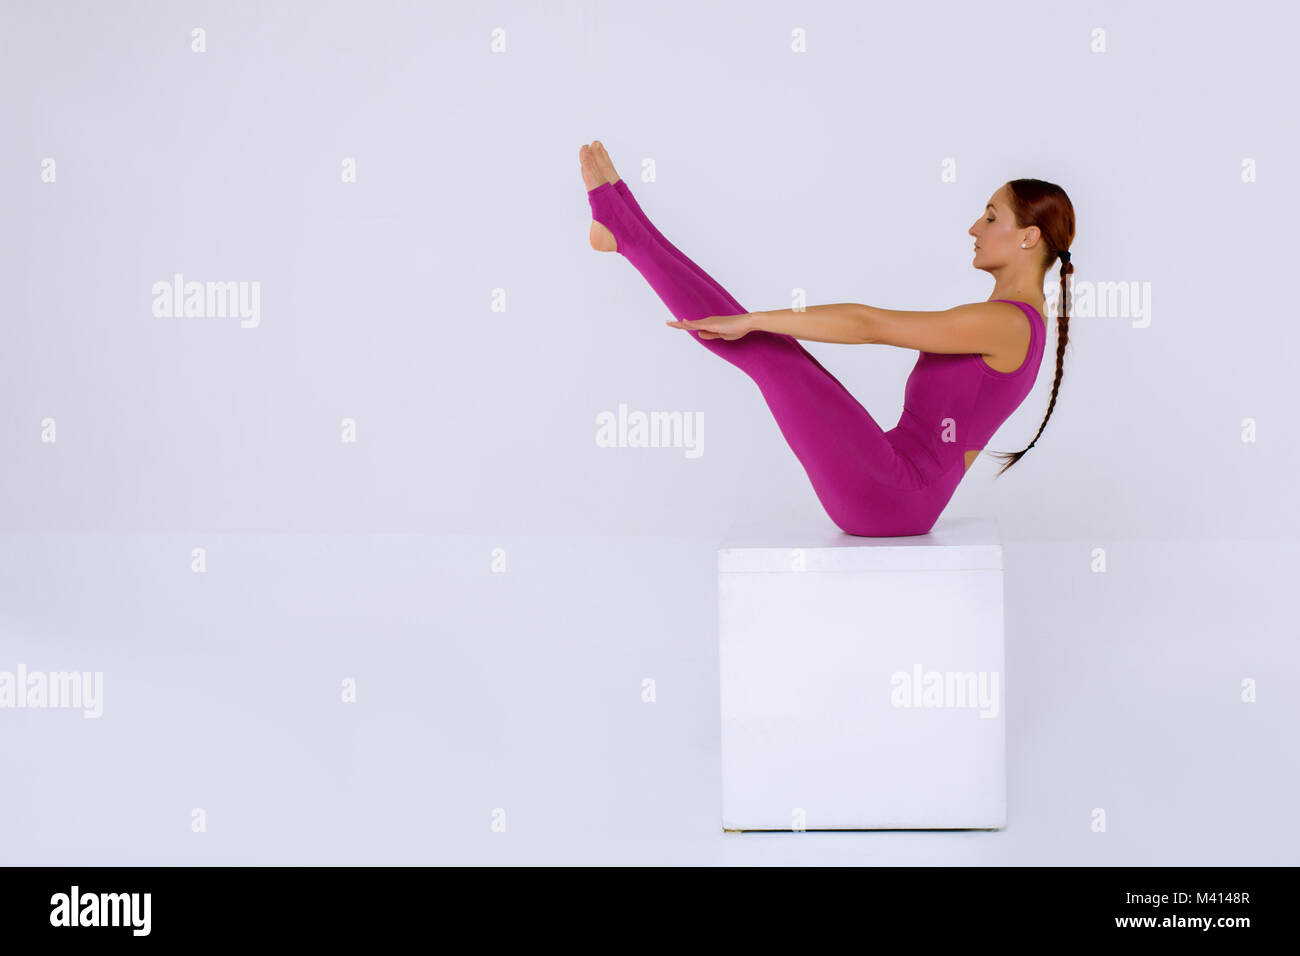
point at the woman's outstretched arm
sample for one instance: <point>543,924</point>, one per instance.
<point>843,322</point>
<point>982,327</point>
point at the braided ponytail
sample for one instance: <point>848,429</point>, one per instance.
<point>1036,203</point>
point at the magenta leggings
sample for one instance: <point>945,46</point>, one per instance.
<point>865,485</point>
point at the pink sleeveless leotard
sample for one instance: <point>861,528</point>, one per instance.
<point>953,403</point>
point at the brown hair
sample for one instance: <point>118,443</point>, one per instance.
<point>1045,205</point>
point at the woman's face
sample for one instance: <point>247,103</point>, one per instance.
<point>997,238</point>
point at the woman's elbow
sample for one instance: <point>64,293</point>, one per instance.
<point>866,325</point>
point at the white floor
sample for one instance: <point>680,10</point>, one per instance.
<point>522,690</point>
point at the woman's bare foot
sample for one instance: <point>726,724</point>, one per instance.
<point>596,171</point>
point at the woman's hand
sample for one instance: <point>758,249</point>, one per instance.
<point>729,327</point>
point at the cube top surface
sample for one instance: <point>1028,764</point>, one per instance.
<point>766,546</point>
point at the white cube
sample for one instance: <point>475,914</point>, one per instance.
<point>862,679</point>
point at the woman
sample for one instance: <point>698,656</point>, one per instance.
<point>977,361</point>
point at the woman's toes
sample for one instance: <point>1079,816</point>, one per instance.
<point>591,176</point>
<point>603,162</point>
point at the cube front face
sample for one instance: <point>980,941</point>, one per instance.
<point>868,699</point>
